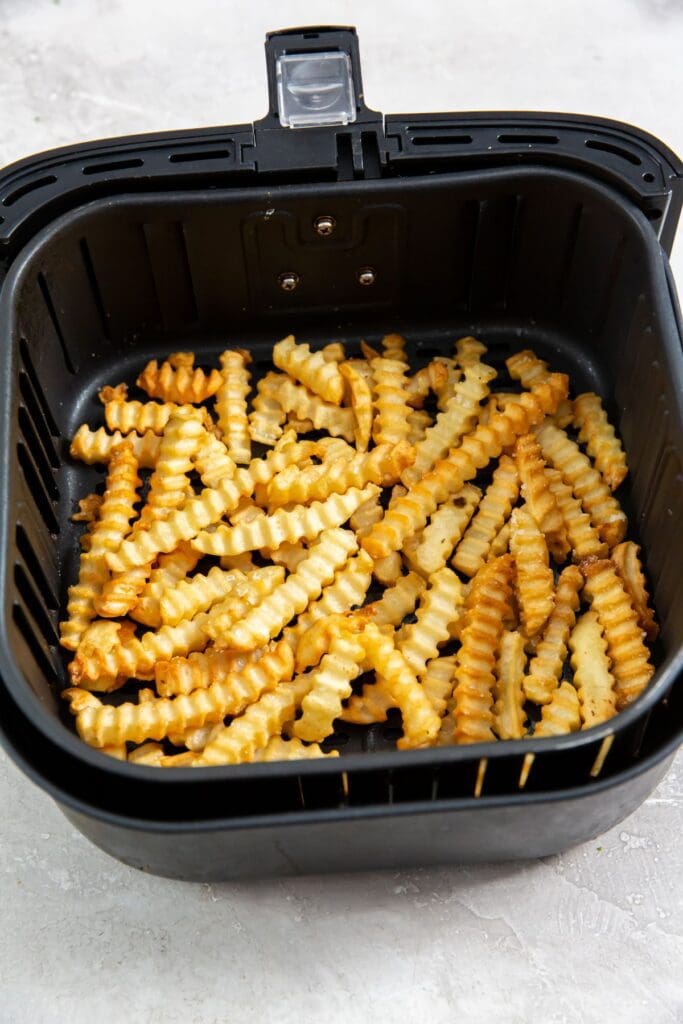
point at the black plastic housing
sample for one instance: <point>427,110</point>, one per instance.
<point>510,227</point>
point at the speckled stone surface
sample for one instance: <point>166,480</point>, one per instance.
<point>595,934</point>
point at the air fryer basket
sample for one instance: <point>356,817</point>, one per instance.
<point>123,251</point>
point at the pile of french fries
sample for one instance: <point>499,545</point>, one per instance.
<point>241,593</point>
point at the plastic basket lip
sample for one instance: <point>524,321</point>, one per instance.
<point>70,800</point>
<point>53,728</point>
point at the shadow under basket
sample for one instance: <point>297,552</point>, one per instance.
<point>535,255</point>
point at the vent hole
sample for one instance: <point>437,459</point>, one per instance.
<point>609,147</point>
<point>37,388</point>
<point>38,419</point>
<point>94,286</point>
<point>648,176</point>
<point>27,552</point>
<point>36,607</point>
<point>200,154</point>
<point>30,186</point>
<point>114,165</point>
<point>47,298</point>
<point>541,140</point>
<point>442,140</point>
<point>41,499</point>
<point>35,447</point>
<point>34,645</point>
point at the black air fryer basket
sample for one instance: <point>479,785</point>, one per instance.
<point>523,229</point>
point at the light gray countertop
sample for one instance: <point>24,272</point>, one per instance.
<point>594,934</point>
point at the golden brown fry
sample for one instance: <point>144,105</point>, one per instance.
<point>331,684</point>
<point>334,352</point>
<point>388,570</point>
<point>586,482</point>
<point>532,571</point>
<point>627,562</point>
<point>267,416</point>
<point>538,496</point>
<point>171,568</point>
<point>297,399</point>
<point>347,591</point>
<point>445,530</point>
<point>257,586</point>
<point>88,509</point>
<point>143,416</point>
<point>591,666</point>
<point>527,368</point>
<point>438,682</point>
<point>231,404</point>
<point>382,466</point>
<point>487,605</point>
<point>439,606</point>
<point>201,669</point>
<point>397,601</point>
<point>418,423</point>
<point>279,749</point>
<point>91,446</point>
<point>420,721</point>
<point>289,555</point>
<point>501,542</point>
<point>492,513</point>
<point>508,710</point>
<point>186,598</point>
<point>459,416</point>
<point>600,439</point>
<point>116,512</point>
<point>394,347</point>
<point>101,725</point>
<point>561,715</point>
<point>293,596</point>
<point>310,368</point>
<point>583,538</point>
<point>545,668</point>
<point>389,384</point>
<point>432,377</point>
<point>369,706</point>
<point>631,668</point>
<point>410,513</point>
<point>180,383</point>
<point>360,400</point>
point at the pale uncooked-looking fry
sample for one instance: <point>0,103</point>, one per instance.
<point>177,381</point>
<point>116,512</point>
<point>347,590</point>
<point>101,725</point>
<point>533,574</point>
<point>171,568</point>
<point>438,682</point>
<point>501,542</point>
<point>287,554</point>
<point>306,405</point>
<point>432,377</point>
<point>267,415</point>
<point>259,584</point>
<point>561,715</point>
<point>591,666</point>
<point>545,667</point>
<point>369,706</point>
<point>381,466</point>
<point>360,395</point>
<point>627,562</point>
<point>584,540</point>
<point>366,515</point>
<point>310,368</point>
<point>331,684</point>
<point>418,422</point>
<point>279,749</point>
<point>410,513</point>
<point>439,606</point>
<point>185,598</point>
<point>394,347</point>
<point>388,570</point>
<point>457,419</point>
<point>445,529</point>
<point>266,620</point>
<point>508,710</point>
<point>586,483</point>
<point>420,721</point>
<point>492,513</point>
<point>600,439</point>
<point>389,382</point>
<point>92,446</point>
<point>453,374</point>
<point>487,606</point>
<point>538,496</point>
<point>231,404</point>
<point>631,667</point>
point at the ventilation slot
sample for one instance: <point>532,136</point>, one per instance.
<point>38,493</point>
<point>25,549</point>
<point>47,298</point>
<point>36,607</point>
<point>30,186</point>
<point>200,154</point>
<point>114,165</point>
<point>37,388</point>
<point>38,452</point>
<point>94,287</point>
<point>370,148</point>
<point>442,140</point>
<point>344,157</point>
<point>34,645</point>
<point>38,420</point>
<point>540,140</point>
<point>609,147</point>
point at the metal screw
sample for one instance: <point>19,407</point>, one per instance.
<point>366,276</point>
<point>288,281</point>
<point>325,226</point>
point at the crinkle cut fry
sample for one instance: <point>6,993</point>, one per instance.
<point>310,368</point>
<point>488,604</point>
<point>102,725</point>
<point>231,404</point>
<point>383,466</point>
<point>529,370</point>
<point>259,584</point>
<point>297,399</point>
<point>587,484</point>
<point>631,667</point>
<point>92,446</point>
<point>539,497</point>
<point>116,512</point>
<point>181,383</point>
<point>347,590</point>
<point>584,540</point>
<point>410,513</point>
<point>591,667</point>
<point>445,530</point>
<point>561,715</point>
<point>201,669</point>
<point>140,417</point>
<point>600,439</point>
<point>360,399</point>
<point>267,416</point>
<point>331,684</point>
<point>390,401</point>
<point>545,667</point>
<point>439,607</point>
<point>508,710</point>
<point>491,515</point>
<point>533,574</point>
<point>627,562</point>
<point>170,569</point>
